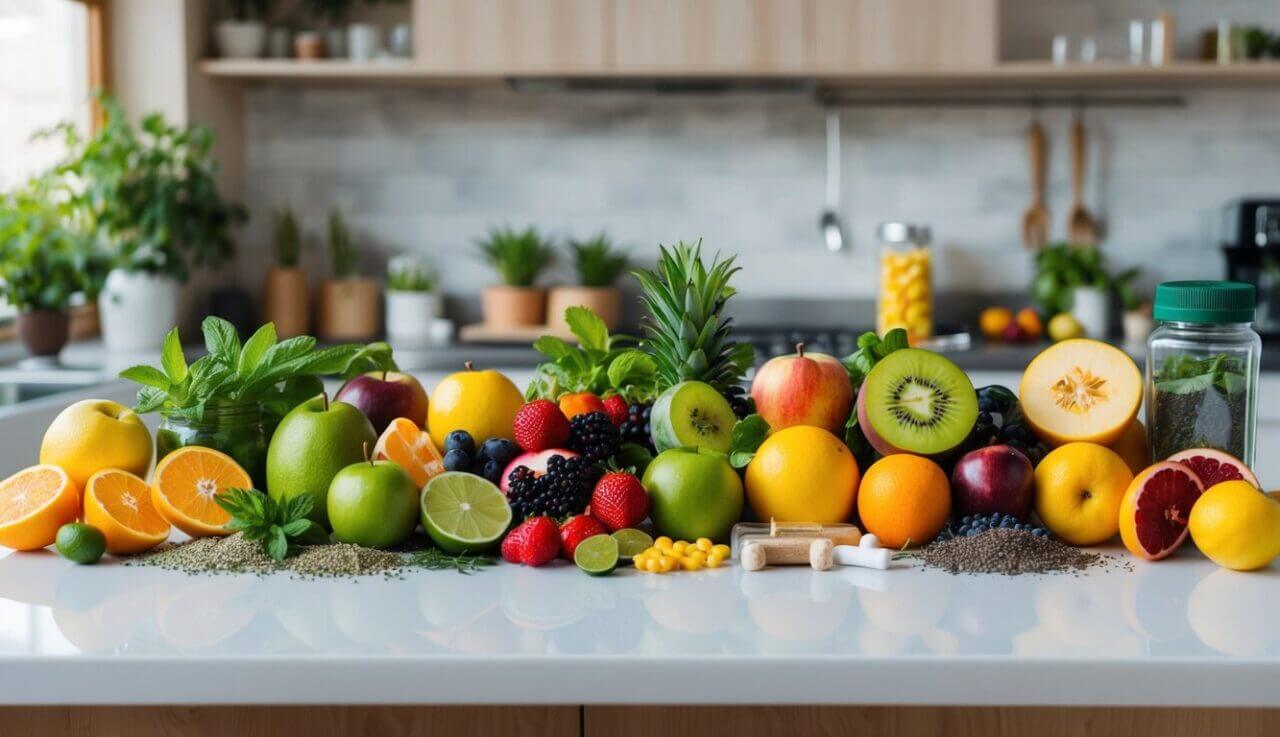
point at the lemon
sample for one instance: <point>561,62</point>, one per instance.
<point>1064,326</point>
<point>484,403</point>
<point>1236,526</point>
<point>803,474</point>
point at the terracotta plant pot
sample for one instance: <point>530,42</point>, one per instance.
<point>286,301</point>
<point>349,308</point>
<point>44,332</point>
<point>604,301</point>
<point>308,45</point>
<point>509,307</point>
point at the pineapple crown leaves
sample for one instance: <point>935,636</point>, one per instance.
<point>687,335</point>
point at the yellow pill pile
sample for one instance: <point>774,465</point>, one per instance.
<point>667,555</point>
<point>906,294</point>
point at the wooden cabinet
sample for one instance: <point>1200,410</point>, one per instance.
<point>701,36</point>
<point>513,36</point>
<point>860,35</point>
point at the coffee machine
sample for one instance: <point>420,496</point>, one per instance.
<point>1251,244</point>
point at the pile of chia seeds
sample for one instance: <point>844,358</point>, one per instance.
<point>1009,552</point>
<point>235,554</point>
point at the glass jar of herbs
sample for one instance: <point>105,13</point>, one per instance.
<point>1202,369</point>
<point>238,429</point>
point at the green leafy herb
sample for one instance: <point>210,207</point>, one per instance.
<point>277,375</point>
<point>597,262</point>
<point>748,434</point>
<point>342,250</point>
<point>287,239</point>
<point>1060,268</point>
<point>277,526</point>
<point>601,363</point>
<point>437,560</point>
<point>871,350</point>
<point>519,256</point>
<point>1199,402</point>
<point>45,257</point>
<point>408,274</point>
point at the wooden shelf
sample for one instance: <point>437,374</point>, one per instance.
<point>1008,76</point>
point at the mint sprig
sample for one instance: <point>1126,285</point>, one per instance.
<point>748,434</point>
<point>601,363</point>
<point>277,526</point>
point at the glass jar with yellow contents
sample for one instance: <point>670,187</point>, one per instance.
<point>906,280</point>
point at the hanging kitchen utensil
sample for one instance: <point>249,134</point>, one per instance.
<point>1082,230</point>
<point>830,224</point>
<point>1035,221</point>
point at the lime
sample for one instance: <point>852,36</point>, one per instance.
<point>632,542</point>
<point>464,513</point>
<point>80,543</point>
<point>597,555</point>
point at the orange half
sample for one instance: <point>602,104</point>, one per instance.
<point>185,484</point>
<point>119,504</point>
<point>410,447</point>
<point>34,503</point>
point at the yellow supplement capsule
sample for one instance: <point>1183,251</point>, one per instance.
<point>722,549</point>
<point>639,563</point>
<point>663,542</point>
<point>653,565</point>
<point>667,564</point>
<point>679,546</point>
<point>713,561</point>
<point>704,544</point>
<point>691,564</point>
<point>697,555</point>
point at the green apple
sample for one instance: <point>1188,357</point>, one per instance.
<point>693,493</point>
<point>373,504</point>
<point>315,441</point>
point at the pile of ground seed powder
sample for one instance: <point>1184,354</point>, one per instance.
<point>235,554</point>
<point>1009,552</point>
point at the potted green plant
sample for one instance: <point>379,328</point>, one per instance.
<point>598,264</point>
<point>286,293</point>
<point>334,15</point>
<point>412,302</point>
<point>149,197</point>
<point>519,257</point>
<point>44,260</point>
<point>243,33</point>
<point>348,301</point>
<point>1075,279</point>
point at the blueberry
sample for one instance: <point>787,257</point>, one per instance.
<point>499,450</point>
<point>966,519</point>
<point>460,440</point>
<point>457,459</point>
<point>493,471</point>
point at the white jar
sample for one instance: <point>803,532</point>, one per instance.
<point>364,41</point>
<point>137,309</point>
<point>241,39</point>
<point>1091,307</point>
<point>410,316</point>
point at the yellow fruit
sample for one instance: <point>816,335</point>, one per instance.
<point>1132,447</point>
<point>484,403</point>
<point>1079,488</point>
<point>802,474</point>
<point>993,322</point>
<point>904,500</point>
<point>1080,391</point>
<point>119,504</point>
<point>1236,526</point>
<point>34,503</point>
<point>94,434</point>
<point>185,484</point>
<point>1064,326</point>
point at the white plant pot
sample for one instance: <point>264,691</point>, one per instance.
<point>137,310</point>
<point>410,316</point>
<point>1091,307</point>
<point>364,41</point>
<point>1137,326</point>
<point>241,39</point>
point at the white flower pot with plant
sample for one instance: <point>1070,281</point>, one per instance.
<point>244,34</point>
<point>364,41</point>
<point>152,195</point>
<point>598,264</point>
<point>348,302</point>
<point>412,303</point>
<point>286,294</point>
<point>519,257</point>
<point>1075,279</point>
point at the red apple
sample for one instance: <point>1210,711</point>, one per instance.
<point>385,395</point>
<point>997,478</point>
<point>803,389</point>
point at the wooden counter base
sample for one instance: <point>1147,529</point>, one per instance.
<point>628,721</point>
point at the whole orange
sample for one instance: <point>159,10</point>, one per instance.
<point>1030,323</point>
<point>993,321</point>
<point>580,403</point>
<point>904,500</point>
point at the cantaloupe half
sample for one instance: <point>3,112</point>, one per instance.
<point>1080,391</point>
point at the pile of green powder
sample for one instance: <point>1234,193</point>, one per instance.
<point>235,554</point>
<point>1008,552</point>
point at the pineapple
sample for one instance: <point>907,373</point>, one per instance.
<point>685,332</point>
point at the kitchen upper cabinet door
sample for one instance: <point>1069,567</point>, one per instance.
<point>700,36</point>
<point>513,36</point>
<point>858,35</point>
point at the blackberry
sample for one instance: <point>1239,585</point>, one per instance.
<point>564,490</point>
<point>594,436</point>
<point>739,400</point>
<point>635,429</point>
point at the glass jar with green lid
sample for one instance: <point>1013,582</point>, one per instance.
<point>235,428</point>
<point>1202,369</point>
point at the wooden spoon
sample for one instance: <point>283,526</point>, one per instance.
<point>1035,221</point>
<point>1081,228</point>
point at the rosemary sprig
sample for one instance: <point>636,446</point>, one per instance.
<point>436,559</point>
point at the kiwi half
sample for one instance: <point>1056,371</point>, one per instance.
<point>915,401</point>
<point>692,414</point>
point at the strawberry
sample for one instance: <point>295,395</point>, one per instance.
<point>576,529</point>
<point>619,501</point>
<point>616,407</point>
<point>540,425</point>
<point>534,542</point>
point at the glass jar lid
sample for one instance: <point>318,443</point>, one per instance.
<point>1210,302</point>
<point>894,232</point>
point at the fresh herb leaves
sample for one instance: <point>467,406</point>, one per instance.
<point>871,349</point>
<point>437,560</point>
<point>277,526</point>
<point>275,374</point>
<point>1199,402</point>
<point>601,363</point>
<point>748,434</point>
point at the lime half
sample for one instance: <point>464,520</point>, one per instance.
<point>464,513</point>
<point>632,542</point>
<point>597,555</point>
